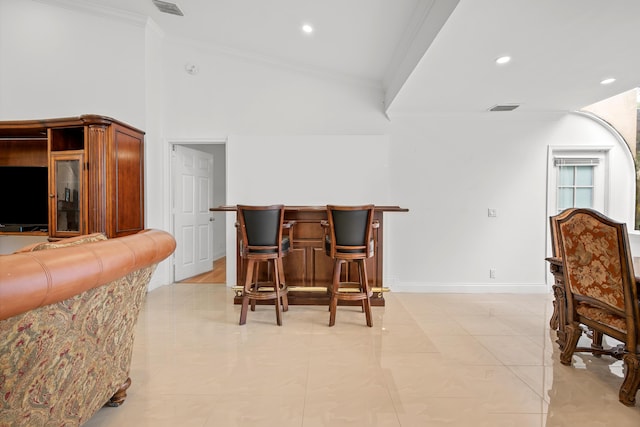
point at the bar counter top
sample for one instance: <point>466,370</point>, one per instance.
<point>380,208</point>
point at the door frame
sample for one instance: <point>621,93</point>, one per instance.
<point>220,218</point>
<point>575,151</point>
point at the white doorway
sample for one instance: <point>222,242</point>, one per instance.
<point>198,182</point>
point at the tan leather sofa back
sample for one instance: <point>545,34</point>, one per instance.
<point>38,278</point>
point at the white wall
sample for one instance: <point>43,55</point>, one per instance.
<point>308,169</point>
<point>238,95</point>
<point>58,62</point>
<point>491,161</point>
<point>461,166</point>
<point>157,177</point>
<point>293,134</point>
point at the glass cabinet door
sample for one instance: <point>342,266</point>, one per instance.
<point>66,193</point>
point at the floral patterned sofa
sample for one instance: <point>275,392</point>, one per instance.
<point>68,311</point>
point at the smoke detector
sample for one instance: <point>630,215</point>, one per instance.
<point>166,7</point>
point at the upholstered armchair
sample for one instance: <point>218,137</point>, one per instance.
<point>600,290</point>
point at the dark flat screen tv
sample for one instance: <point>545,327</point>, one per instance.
<point>25,197</point>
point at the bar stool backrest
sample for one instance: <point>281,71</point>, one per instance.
<point>261,229</point>
<point>350,231</point>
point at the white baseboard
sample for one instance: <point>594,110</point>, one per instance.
<point>471,288</point>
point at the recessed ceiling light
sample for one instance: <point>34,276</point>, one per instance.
<point>608,81</point>
<point>307,29</point>
<point>503,60</point>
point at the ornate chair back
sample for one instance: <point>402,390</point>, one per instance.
<point>601,289</point>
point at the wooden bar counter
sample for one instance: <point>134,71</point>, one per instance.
<point>308,270</point>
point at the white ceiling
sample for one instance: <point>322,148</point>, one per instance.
<point>434,56</point>
<point>561,52</point>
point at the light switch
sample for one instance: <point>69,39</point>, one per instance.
<point>493,213</point>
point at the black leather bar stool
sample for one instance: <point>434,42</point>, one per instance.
<point>260,230</point>
<point>349,238</point>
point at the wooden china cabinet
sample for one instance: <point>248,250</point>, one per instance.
<point>95,175</point>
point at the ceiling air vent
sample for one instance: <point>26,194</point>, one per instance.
<point>166,7</point>
<point>504,107</point>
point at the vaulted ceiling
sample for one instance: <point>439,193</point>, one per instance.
<point>428,56</point>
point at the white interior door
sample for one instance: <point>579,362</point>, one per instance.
<point>193,228</point>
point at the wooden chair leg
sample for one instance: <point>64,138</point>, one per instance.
<point>245,294</point>
<point>276,288</point>
<point>256,274</point>
<point>596,342</point>
<point>573,335</point>
<point>360,284</point>
<point>553,322</point>
<point>285,298</point>
<point>364,283</point>
<point>333,304</point>
<point>629,388</point>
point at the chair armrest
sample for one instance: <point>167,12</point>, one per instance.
<point>287,227</point>
<point>326,230</point>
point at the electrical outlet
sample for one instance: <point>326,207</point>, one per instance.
<point>492,273</point>
<point>492,213</point>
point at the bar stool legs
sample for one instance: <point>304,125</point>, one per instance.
<point>339,292</point>
<point>253,293</point>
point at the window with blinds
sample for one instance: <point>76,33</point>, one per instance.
<point>575,182</point>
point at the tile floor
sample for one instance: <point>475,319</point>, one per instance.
<point>429,360</point>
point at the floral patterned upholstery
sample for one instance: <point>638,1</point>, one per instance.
<point>90,333</point>
<point>592,260</point>
<point>601,316</point>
